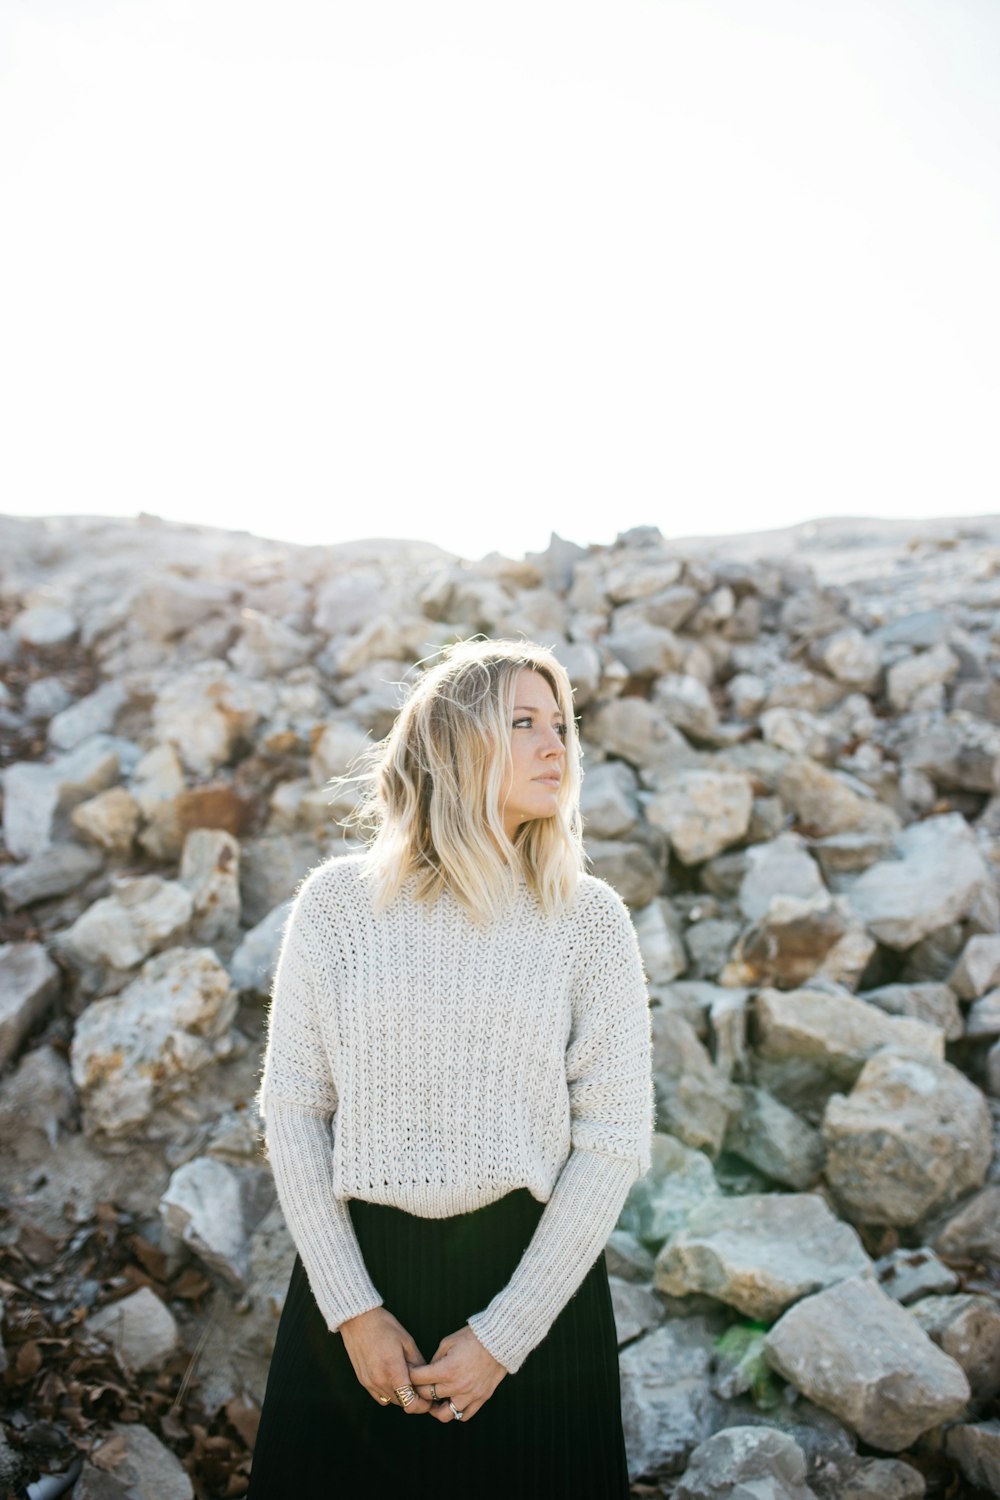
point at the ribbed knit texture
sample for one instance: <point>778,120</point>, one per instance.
<point>420,1060</point>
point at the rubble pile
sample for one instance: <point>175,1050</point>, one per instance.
<point>792,775</point>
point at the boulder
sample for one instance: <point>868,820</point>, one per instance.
<point>856,1352</point>
<point>667,1403</point>
<point>202,1206</point>
<point>911,1137</point>
<point>975,1447</point>
<point>138,1461</point>
<point>702,812</point>
<point>694,1101</point>
<point>760,1252</point>
<point>836,1031</point>
<point>29,981</point>
<point>775,1140</point>
<point>143,1331</point>
<point>937,878</point>
<point>746,1463</point>
<point>966,1326</point>
<point>38,796</point>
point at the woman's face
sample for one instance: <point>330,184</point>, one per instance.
<point>538,752</point>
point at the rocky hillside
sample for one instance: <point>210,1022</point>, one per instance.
<point>792,777</point>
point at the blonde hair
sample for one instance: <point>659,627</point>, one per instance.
<point>432,787</point>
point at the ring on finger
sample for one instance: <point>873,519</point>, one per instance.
<point>406,1394</point>
<point>457,1414</point>
<point>384,1400</point>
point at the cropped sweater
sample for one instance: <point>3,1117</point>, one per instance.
<point>419,1059</point>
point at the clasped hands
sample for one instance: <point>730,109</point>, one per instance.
<point>385,1357</point>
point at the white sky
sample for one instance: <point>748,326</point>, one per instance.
<point>474,272</point>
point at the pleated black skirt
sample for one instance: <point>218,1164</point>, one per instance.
<point>553,1429</point>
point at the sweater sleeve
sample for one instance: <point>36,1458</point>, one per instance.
<point>297,1100</point>
<point>609,1078</point>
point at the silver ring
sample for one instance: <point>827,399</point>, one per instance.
<point>458,1414</point>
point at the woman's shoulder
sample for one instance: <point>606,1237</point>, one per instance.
<point>597,901</point>
<point>335,879</point>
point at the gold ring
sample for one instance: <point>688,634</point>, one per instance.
<point>406,1394</point>
<point>384,1400</point>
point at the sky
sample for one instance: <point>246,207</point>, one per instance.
<point>477,273</point>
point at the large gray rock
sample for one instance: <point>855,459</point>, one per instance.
<point>94,714</point>
<point>702,812</point>
<point>660,941</point>
<point>783,867</point>
<point>140,1048</point>
<point>253,962</point>
<point>637,1309</point>
<point>978,968</point>
<point>836,1031</point>
<point>142,1330</point>
<point>746,1463</point>
<point>775,1140</point>
<point>829,802</point>
<point>679,1179</point>
<point>910,1274</point>
<point>667,1403</point>
<point>856,1352</point>
<point>608,802</point>
<point>974,1227</point>
<point>58,869</point>
<point>938,877</point>
<point>38,796</point>
<point>760,1252</point>
<point>694,1100</point>
<point>912,1136</point>
<point>29,981</point>
<point>931,1002</point>
<point>205,710</point>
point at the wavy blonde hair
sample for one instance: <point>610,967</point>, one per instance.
<point>431,787</point>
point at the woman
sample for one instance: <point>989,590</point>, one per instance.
<point>457,1097</point>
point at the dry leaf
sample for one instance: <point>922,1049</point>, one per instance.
<point>110,1453</point>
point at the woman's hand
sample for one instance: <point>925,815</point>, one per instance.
<point>463,1370</point>
<point>381,1351</point>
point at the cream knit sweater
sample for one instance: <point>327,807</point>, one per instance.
<point>419,1060</point>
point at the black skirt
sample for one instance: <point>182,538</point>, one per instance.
<point>552,1429</point>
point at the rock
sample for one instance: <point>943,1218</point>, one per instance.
<point>139,1049</point>
<point>93,1485</point>
<point>694,1101</point>
<point>678,1181</point>
<point>142,913</point>
<point>909,1274</point>
<point>937,879</point>
<point>253,962</point>
<point>660,942</point>
<point>667,1404</point>
<point>709,943</point>
<point>36,1100</point>
<point>983,1019</point>
<point>634,871</point>
<point>746,1463</point>
<point>911,1137</point>
<point>267,647</point>
<point>156,785</point>
<point>973,1229</point>
<point>907,679</point>
<point>141,1463</point>
<point>975,1447</point>
<point>210,867</point>
<point>883,1479</point>
<point>45,626</point>
<point>38,796</point>
<point>788,944</point>
<point>169,604</point>
<point>58,869</point>
<point>828,802</point>
<point>850,657</point>
<point>783,867</point>
<point>687,704</point>
<point>29,981</point>
<point>202,1206</point>
<point>204,711</point>
<point>702,812</point>
<point>608,802</point>
<point>856,1352</point>
<point>959,752</point>
<point>110,820</point>
<point>978,968</point>
<point>635,1307</point>
<point>760,1252</point>
<point>646,650</point>
<point>775,1139</point>
<point>797,732</point>
<point>639,733</point>
<point>627,1260</point>
<point>934,1003</point>
<point>836,1031</point>
<point>97,713</point>
<point>967,1327</point>
<point>141,1329</point>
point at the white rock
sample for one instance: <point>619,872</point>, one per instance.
<point>978,968</point>
<point>205,710</point>
<point>702,812</point>
<point>137,1049</point>
<point>667,1403</point>
<point>202,1207</point>
<point>36,794</point>
<point>782,867</point>
<point>45,625</point>
<point>909,677</point>
<point>95,714</point>
<point>937,879</point>
<point>110,820</point>
<point>141,1329</point>
<point>837,1031</point>
<point>140,1462</point>
<point>210,870</point>
<point>746,1463</point>
<point>143,913</point>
